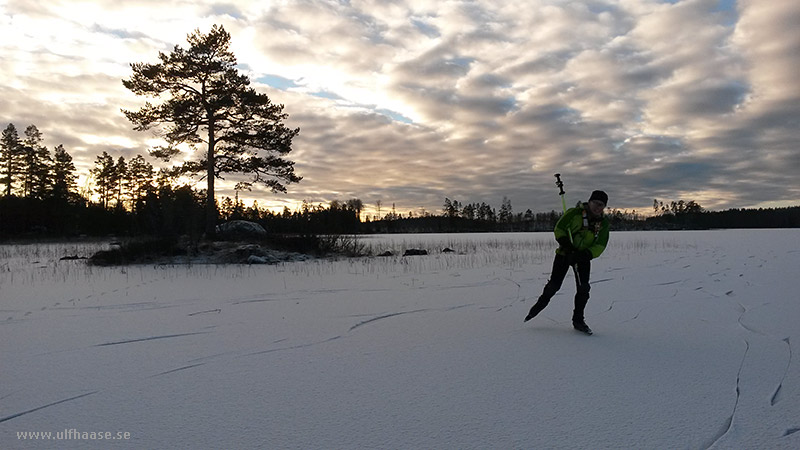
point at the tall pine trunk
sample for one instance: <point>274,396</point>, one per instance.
<point>9,170</point>
<point>211,204</point>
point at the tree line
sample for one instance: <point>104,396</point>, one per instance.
<point>455,217</point>
<point>40,197</point>
<point>135,202</point>
<point>28,169</point>
<point>683,215</point>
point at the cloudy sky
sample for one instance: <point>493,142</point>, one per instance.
<point>409,102</point>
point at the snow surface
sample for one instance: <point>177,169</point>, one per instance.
<point>695,346</point>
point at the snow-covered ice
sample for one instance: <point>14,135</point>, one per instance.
<point>695,346</point>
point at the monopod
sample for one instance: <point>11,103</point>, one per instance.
<point>561,192</point>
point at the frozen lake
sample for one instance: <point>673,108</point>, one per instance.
<point>695,346</point>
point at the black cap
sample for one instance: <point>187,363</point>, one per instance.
<point>599,195</point>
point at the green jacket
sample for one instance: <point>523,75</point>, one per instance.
<point>593,235</point>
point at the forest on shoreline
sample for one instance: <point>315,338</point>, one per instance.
<point>40,199</point>
<point>167,211</point>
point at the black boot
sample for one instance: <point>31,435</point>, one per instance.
<point>537,308</point>
<point>581,326</point>
<point>581,299</point>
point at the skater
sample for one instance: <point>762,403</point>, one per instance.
<point>582,235</point>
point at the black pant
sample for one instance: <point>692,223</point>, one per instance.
<point>560,269</point>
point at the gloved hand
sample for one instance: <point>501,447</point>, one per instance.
<point>578,257</point>
<point>566,244</point>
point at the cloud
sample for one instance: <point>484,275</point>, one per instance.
<point>409,102</point>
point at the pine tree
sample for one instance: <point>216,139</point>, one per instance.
<point>528,217</point>
<point>122,183</point>
<point>451,209</point>
<point>226,209</point>
<point>64,183</point>
<point>10,157</point>
<point>210,103</point>
<point>36,165</point>
<point>104,173</point>
<point>506,211</point>
<point>356,205</point>
<point>140,178</point>
<point>468,212</point>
